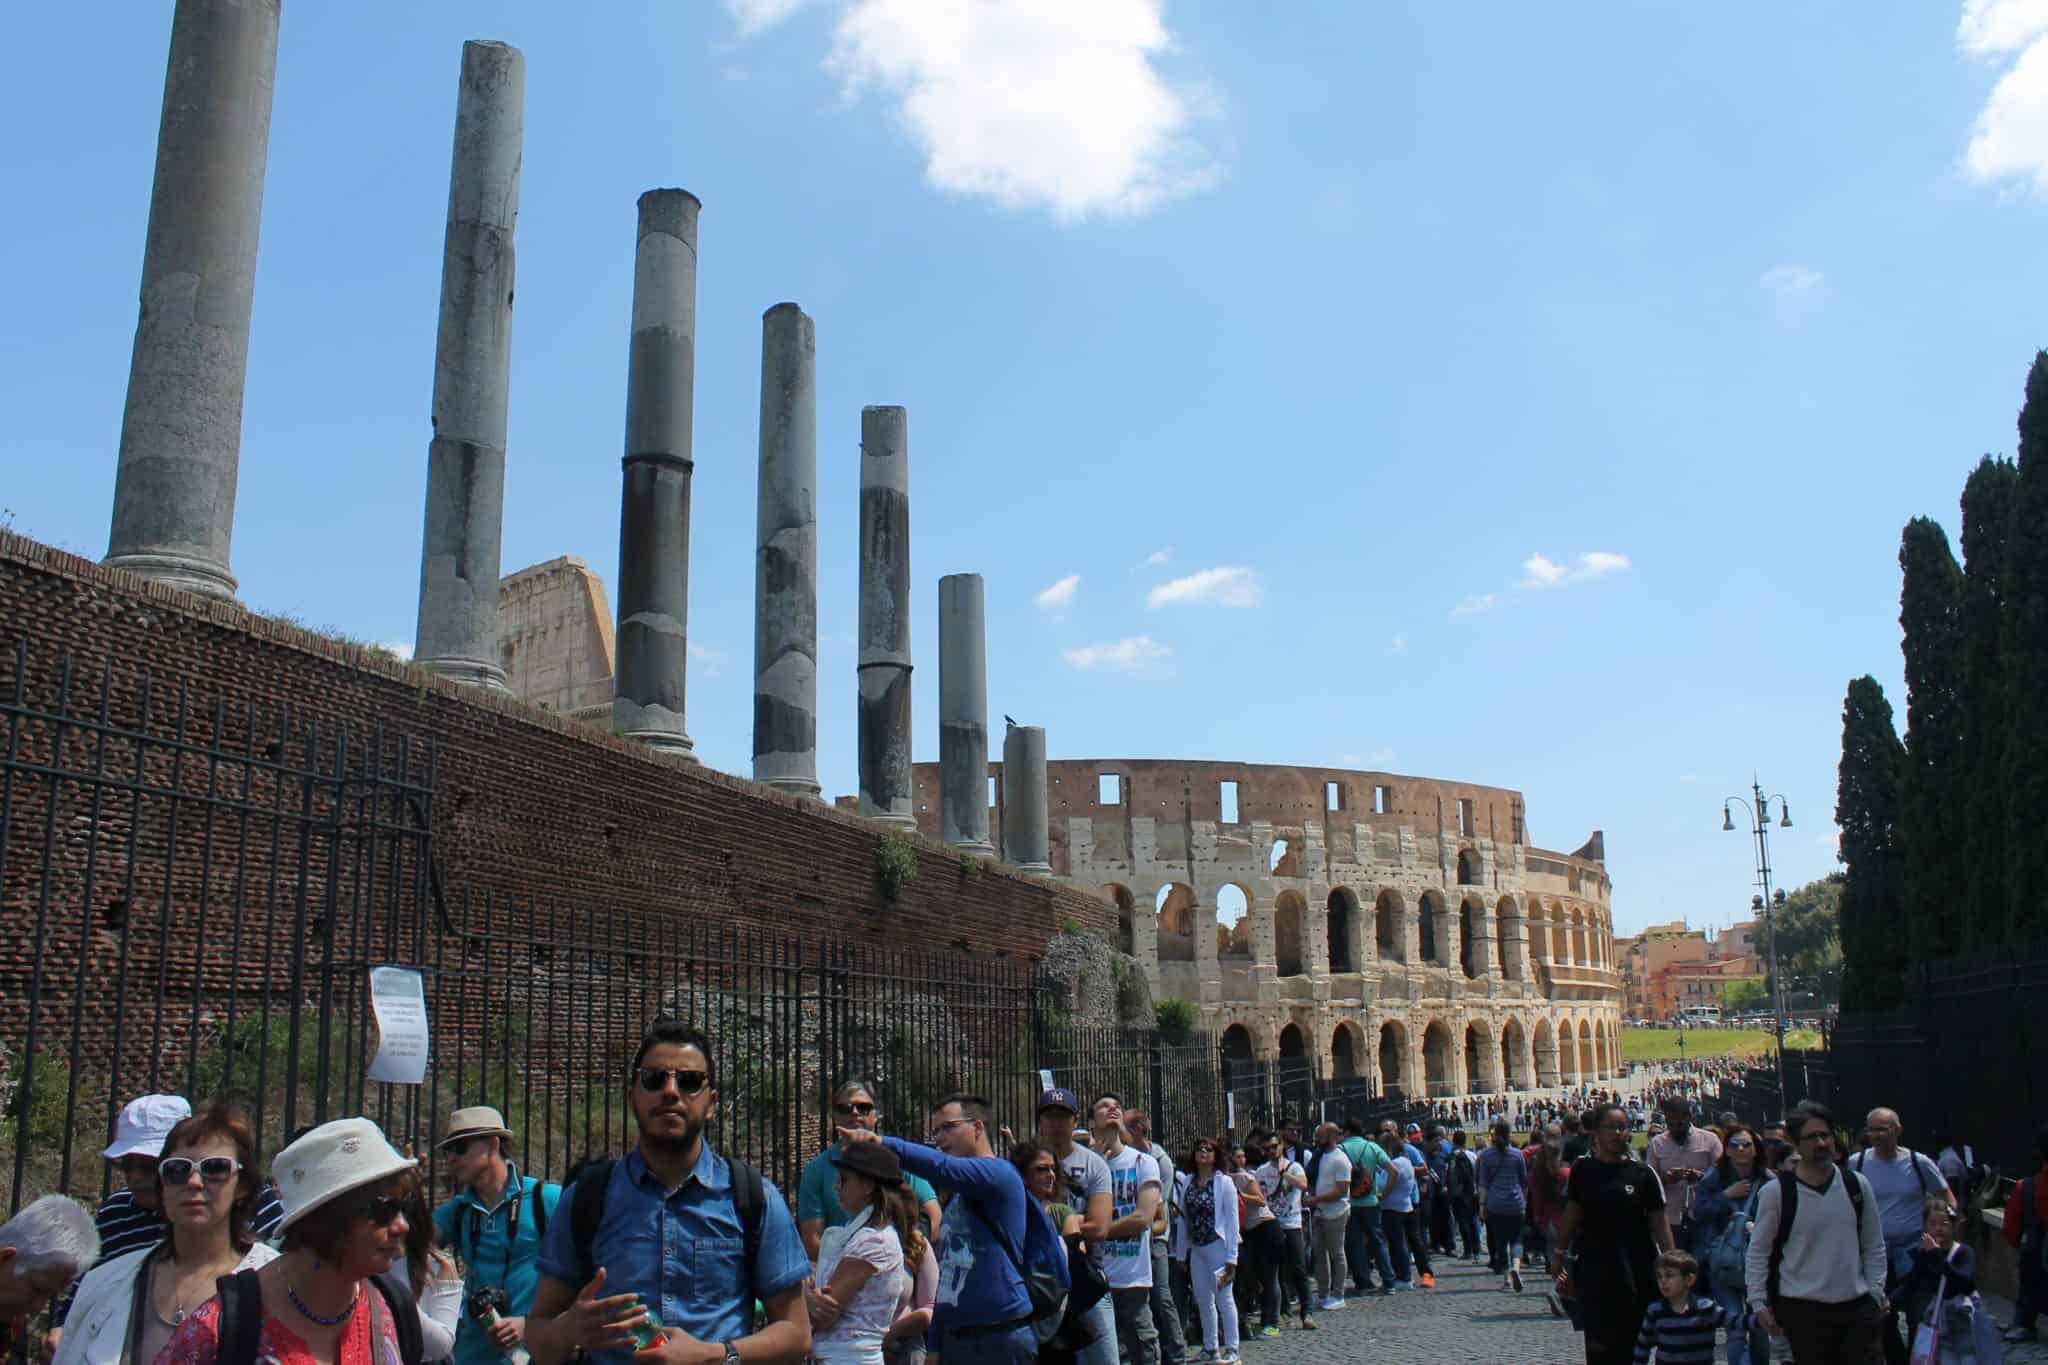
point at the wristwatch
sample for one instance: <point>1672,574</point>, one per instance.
<point>732,1353</point>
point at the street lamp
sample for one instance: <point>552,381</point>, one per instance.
<point>1758,810</point>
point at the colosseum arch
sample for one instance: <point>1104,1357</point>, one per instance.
<point>1475,938</point>
<point>1585,1051</point>
<point>1289,912</point>
<point>1394,1058</point>
<point>1432,922</point>
<point>1482,1059</point>
<point>1119,895</point>
<point>1511,933</point>
<point>1468,867</point>
<point>1390,926</point>
<point>1514,1054</point>
<point>1439,1059</point>
<point>1345,926</point>
<point>1548,1061</point>
<point>1347,1051</point>
<point>1581,949</point>
<point>1297,1068</point>
<point>1234,941</point>
<point>1175,905</point>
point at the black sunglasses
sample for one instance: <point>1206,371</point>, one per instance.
<point>381,1208</point>
<point>214,1170</point>
<point>654,1079</point>
<point>860,1107</point>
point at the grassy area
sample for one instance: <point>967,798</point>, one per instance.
<point>1661,1044</point>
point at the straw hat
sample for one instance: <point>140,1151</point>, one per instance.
<point>330,1161</point>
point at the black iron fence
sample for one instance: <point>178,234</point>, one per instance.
<point>194,895</point>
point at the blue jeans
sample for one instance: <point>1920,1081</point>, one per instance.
<point>1018,1346</point>
<point>1748,1344</point>
<point>1396,1222</point>
<point>1503,1242</point>
<point>1101,1320</point>
<point>1365,1246</point>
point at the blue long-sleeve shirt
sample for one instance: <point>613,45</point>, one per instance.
<point>979,1286</point>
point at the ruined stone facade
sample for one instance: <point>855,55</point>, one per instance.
<point>555,639</point>
<point>1397,929</point>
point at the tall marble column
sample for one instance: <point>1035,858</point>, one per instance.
<point>458,621</point>
<point>649,681</point>
<point>181,427</point>
<point>963,714</point>
<point>1026,840</point>
<point>884,665</point>
<point>786,561</point>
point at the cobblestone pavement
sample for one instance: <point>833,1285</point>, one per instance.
<point>1468,1317</point>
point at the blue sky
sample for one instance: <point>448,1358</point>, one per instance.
<point>1530,395</point>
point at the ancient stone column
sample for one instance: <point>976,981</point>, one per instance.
<point>786,560</point>
<point>963,714</point>
<point>654,513</point>
<point>884,666</point>
<point>458,621</point>
<point>1026,834</point>
<point>181,428</point>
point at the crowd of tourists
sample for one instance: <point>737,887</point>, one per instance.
<point>1086,1240</point>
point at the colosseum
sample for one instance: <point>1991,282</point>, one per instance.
<point>1396,930</point>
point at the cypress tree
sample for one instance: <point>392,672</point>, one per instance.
<point>2025,643</point>
<point>1867,809</point>
<point>1930,815</point>
<point>1987,516</point>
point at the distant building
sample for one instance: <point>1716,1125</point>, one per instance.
<point>555,639</point>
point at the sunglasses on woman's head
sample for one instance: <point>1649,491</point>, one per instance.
<point>214,1170</point>
<point>654,1079</point>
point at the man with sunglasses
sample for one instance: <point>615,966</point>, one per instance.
<point>679,1231</point>
<point>817,1195</point>
<point>496,1222</point>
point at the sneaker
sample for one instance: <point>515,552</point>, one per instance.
<point>1269,1332</point>
<point>1506,1286</point>
<point>1428,1280</point>
<point>1515,1279</point>
<point>1334,1306</point>
<point>1308,1324</point>
<point>1403,1285</point>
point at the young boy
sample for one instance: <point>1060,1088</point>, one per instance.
<point>1680,1326</point>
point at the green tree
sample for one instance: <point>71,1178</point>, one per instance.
<point>1930,811</point>
<point>1808,928</point>
<point>2024,640</point>
<point>1867,809</point>
<point>1740,997</point>
<point>1988,511</point>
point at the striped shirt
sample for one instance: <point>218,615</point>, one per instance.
<point>125,1226</point>
<point>1679,1338</point>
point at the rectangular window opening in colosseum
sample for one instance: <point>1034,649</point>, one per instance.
<point>1226,799</point>
<point>1109,789</point>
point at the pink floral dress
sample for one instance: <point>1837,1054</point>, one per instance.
<point>369,1338</point>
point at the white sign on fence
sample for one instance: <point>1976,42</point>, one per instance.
<point>398,997</point>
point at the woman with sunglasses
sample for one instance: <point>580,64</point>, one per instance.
<point>128,1308</point>
<point>1723,1208</point>
<point>1205,1236</point>
<point>344,1190</point>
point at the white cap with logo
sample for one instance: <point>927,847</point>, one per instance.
<point>144,1124</point>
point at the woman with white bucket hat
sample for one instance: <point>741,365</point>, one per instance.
<point>329,1299</point>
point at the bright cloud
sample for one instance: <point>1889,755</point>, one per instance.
<point>2010,135</point>
<point>1224,586</point>
<point>1060,593</point>
<point>402,648</point>
<point>711,657</point>
<point>1400,644</point>
<point>753,16</point>
<point>1129,655</point>
<point>1541,573</point>
<point>1051,103</point>
<point>1791,283</point>
<point>1158,557</point>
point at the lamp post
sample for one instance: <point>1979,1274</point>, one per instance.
<point>1758,808</point>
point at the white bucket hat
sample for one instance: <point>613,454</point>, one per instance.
<point>331,1160</point>
<point>144,1124</point>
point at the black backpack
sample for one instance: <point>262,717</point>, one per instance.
<point>586,1214</point>
<point>1788,1209</point>
<point>241,1318</point>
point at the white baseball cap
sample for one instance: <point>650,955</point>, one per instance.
<point>331,1160</point>
<point>144,1124</point>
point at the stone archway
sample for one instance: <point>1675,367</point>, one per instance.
<point>1347,1051</point>
<point>1297,1074</point>
<point>1481,1059</point>
<point>1439,1059</point>
<point>1549,1071</point>
<point>1394,1066</point>
<point>1390,926</point>
<point>1119,895</point>
<point>1430,929</point>
<point>1175,904</point>
<point>1343,926</point>
<point>1514,1055</point>
<point>1289,910</point>
<point>1511,937</point>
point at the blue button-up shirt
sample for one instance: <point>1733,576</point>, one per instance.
<point>680,1250</point>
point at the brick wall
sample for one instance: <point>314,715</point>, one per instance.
<point>525,802</point>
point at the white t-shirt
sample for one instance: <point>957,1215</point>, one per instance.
<point>1127,1263</point>
<point>1333,1172</point>
<point>1085,1175</point>
<point>856,1339</point>
<point>1283,1196</point>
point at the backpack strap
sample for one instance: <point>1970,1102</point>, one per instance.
<point>540,1210</point>
<point>586,1212</point>
<point>750,1201</point>
<point>241,1318</point>
<point>405,1317</point>
<point>1788,1206</point>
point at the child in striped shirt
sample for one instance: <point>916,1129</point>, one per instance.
<point>1680,1326</point>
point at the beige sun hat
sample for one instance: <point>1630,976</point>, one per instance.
<point>330,1161</point>
<point>476,1121</point>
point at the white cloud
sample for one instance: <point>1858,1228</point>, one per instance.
<point>1033,103</point>
<point>2009,137</point>
<point>1224,586</point>
<point>1540,573</point>
<point>1129,655</point>
<point>402,648</point>
<point>1400,644</point>
<point>1158,557</point>
<point>711,657</point>
<point>1060,593</point>
<point>1378,758</point>
<point>754,16</point>
<point>1790,284</point>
